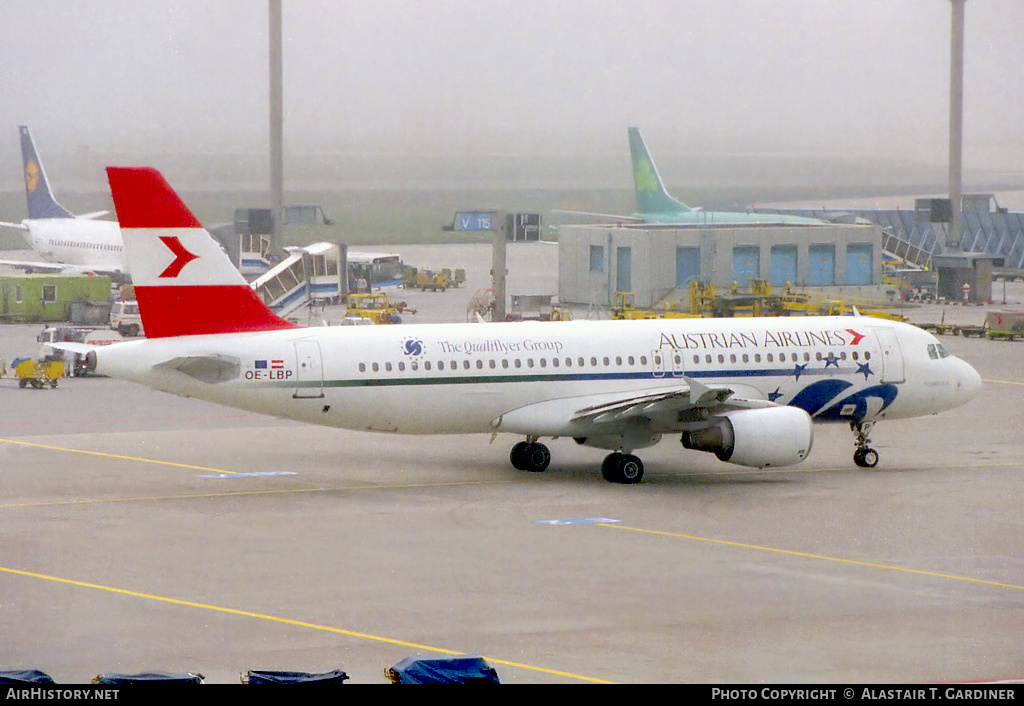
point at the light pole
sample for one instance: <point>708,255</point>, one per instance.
<point>956,121</point>
<point>276,127</point>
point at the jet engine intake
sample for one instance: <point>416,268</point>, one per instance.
<point>773,436</point>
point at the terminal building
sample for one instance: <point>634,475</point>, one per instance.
<point>985,228</point>
<point>842,261</point>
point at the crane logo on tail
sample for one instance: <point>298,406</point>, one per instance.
<point>181,256</point>
<point>31,176</point>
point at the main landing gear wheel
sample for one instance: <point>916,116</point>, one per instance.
<point>864,456</point>
<point>622,468</point>
<point>530,456</point>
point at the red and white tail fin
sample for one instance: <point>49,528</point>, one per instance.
<point>185,284</point>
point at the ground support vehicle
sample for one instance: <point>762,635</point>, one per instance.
<point>481,306</point>
<point>38,373</point>
<point>536,307</point>
<point>125,318</point>
<point>967,331</point>
<point>624,307</point>
<point>434,281</point>
<point>1007,325</point>
<point>1003,324</point>
<point>375,307</point>
<point>76,364</point>
<point>456,278</point>
<point>757,298</point>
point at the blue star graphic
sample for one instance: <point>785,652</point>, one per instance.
<point>866,369</point>
<point>799,370</point>
<point>772,396</point>
<point>832,360</point>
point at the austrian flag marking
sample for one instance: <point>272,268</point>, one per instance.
<point>264,369</point>
<point>181,256</point>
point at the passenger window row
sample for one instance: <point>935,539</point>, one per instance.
<point>780,357</point>
<point>87,246</point>
<point>605,362</point>
<point>506,364</point>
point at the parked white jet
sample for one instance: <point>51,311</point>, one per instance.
<point>66,242</point>
<point>746,390</point>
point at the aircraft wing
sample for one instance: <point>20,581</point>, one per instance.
<point>63,268</point>
<point>686,404</point>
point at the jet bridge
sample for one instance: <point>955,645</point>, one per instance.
<point>311,274</point>
<point>247,238</point>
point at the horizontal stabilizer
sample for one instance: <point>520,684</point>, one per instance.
<point>72,347</point>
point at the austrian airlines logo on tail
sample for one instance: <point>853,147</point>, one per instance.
<point>181,256</point>
<point>192,289</point>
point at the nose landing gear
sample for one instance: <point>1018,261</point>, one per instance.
<point>864,456</point>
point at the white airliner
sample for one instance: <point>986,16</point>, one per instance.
<point>67,243</point>
<point>746,390</point>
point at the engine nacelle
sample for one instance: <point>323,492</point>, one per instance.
<point>773,436</point>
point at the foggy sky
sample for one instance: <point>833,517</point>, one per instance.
<point>855,78</point>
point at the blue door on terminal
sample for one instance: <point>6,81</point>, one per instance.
<point>821,265</point>
<point>859,263</point>
<point>783,265</point>
<point>746,263</point>
<point>687,266</point>
<point>623,265</point>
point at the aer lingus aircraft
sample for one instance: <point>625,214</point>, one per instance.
<point>67,243</point>
<point>747,390</point>
<point>656,206</point>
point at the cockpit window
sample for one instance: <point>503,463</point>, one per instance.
<point>937,350</point>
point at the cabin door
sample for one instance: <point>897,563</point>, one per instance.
<point>309,375</point>
<point>892,356</point>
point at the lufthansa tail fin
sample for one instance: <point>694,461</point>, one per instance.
<point>651,196</point>
<point>41,203</point>
<point>184,283</point>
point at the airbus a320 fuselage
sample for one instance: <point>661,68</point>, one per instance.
<point>747,390</point>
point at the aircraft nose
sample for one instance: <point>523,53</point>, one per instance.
<point>968,382</point>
